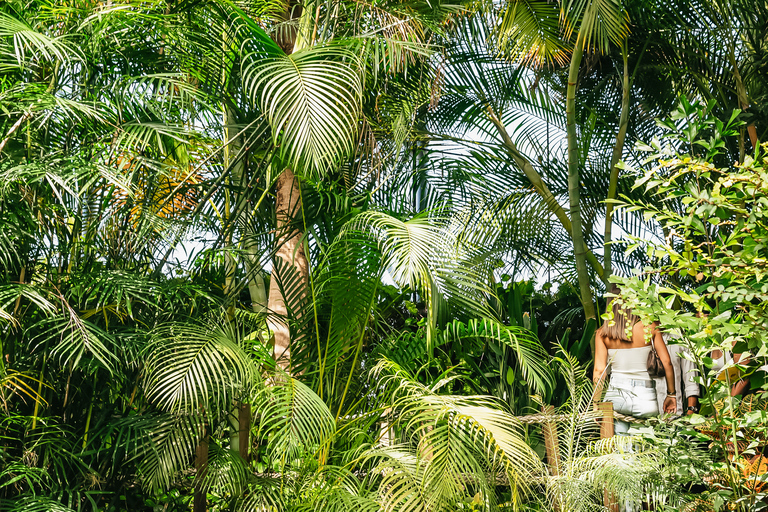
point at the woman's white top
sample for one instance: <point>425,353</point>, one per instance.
<point>629,363</point>
<point>724,359</point>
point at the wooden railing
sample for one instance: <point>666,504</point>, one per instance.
<point>605,416</point>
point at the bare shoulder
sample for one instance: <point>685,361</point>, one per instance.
<point>641,334</point>
<point>600,338</point>
<point>606,341</point>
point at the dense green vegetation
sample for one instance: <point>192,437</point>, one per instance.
<point>383,231</point>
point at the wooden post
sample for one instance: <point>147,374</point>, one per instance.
<point>201,464</point>
<point>606,431</point>
<point>606,421</point>
<point>385,428</point>
<point>244,430</point>
<point>549,428</point>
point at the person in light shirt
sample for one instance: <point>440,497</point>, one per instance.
<point>685,371</point>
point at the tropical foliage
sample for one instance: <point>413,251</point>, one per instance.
<point>265,255</point>
<point>710,261</point>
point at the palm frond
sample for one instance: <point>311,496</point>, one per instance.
<point>530,355</point>
<point>21,384</point>
<point>265,496</point>
<point>135,136</point>
<point>192,367</point>
<point>342,490</point>
<point>32,503</point>
<point>161,445</point>
<point>165,90</point>
<point>598,23</point>
<point>428,255</point>
<point>459,436</point>
<point>402,476</point>
<point>529,31</point>
<point>17,473</point>
<point>346,284</point>
<point>294,418</point>
<point>30,44</point>
<point>312,100</point>
<point>70,338</point>
<point>225,473</point>
<point>13,293</point>
<point>114,291</point>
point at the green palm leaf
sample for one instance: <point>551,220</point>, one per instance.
<point>162,444</point>
<point>12,293</point>
<point>193,366</point>
<point>342,491</point>
<point>266,495</point>
<point>312,100</point>
<point>70,338</point>
<point>429,255</point>
<point>464,440</point>
<point>31,503</point>
<point>597,22</point>
<point>294,418</point>
<point>531,356</point>
<point>139,136</point>
<point>402,475</point>
<point>162,95</point>
<point>29,44</point>
<point>530,31</point>
<point>17,473</point>
<point>620,465</point>
<point>345,289</point>
<point>226,473</point>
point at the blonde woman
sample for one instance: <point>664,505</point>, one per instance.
<point>620,344</point>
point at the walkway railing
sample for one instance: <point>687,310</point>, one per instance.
<point>604,416</point>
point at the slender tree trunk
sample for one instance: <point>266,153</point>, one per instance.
<point>290,264</point>
<point>256,286</point>
<point>232,147</point>
<point>230,263</point>
<point>235,196</point>
<point>199,501</point>
<point>539,186</point>
<point>289,261</point>
<point>741,92</point>
<point>618,149</point>
<point>577,234</point>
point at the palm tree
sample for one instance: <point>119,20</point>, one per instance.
<point>114,156</point>
<point>97,175</point>
<point>595,25</point>
<point>502,95</point>
<point>532,101</point>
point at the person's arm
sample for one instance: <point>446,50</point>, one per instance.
<point>742,386</point>
<point>601,362</point>
<point>691,388</point>
<point>670,403</point>
<point>693,401</point>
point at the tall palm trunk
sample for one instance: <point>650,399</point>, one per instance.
<point>256,288</point>
<point>231,147</point>
<point>577,235</point>
<point>290,264</point>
